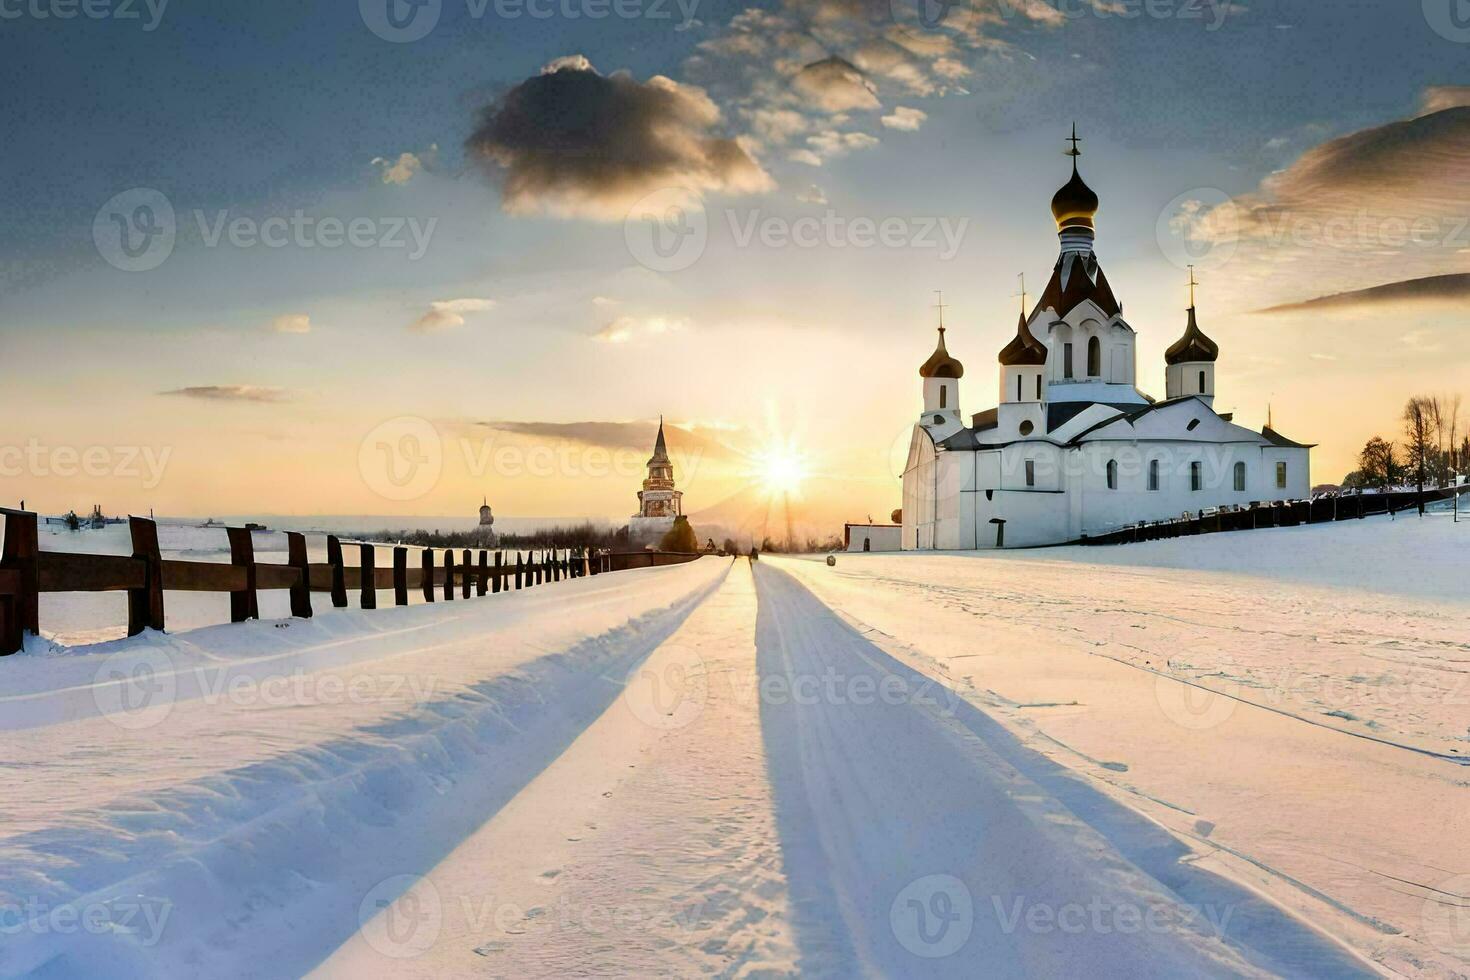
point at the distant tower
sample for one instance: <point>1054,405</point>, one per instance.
<point>658,502</point>
<point>487,525</point>
<point>1190,361</point>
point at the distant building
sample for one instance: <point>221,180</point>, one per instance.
<point>658,502</point>
<point>487,522</point>
<point>872,537</point>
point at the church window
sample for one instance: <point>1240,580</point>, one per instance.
<point>1066,360</point>
<point>1193,423</point>
<point>1153,474</point>
<point>1027,428</point>
<point>1202,382</point>
<point>1112,474</point>
<point>1030,472</point>
<point>1196,476</point>
<point>1019,396</point>
<point>1281,476</point>
<point>1038,387</point>
<point>1094,358</point>
<point>943,396</point>
<point>1239,477</point>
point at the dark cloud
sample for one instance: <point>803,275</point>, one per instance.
<point>613,435</point>
<point>836,85</point>
<point>230,393</point>
<point>1432,289</point>
<point>574,142</point>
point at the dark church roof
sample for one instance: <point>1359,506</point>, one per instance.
<point>1076,279</point>
<point>940,364</point>
<point>1277,439</point>
<point>1193,346</point>
<point>1023,348</point>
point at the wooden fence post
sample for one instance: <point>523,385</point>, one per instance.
<point>301,591</point>
<point>339,576</point>
<point>495,582</point>
<point>448,574</point>
<point>400,576</point>
<point>482,581</point>
<point>520,570</point>
<point>428,566</point>
<point>244,604</point>
<point>23,607</point>
<point>145,605</point>
<point>467,572</point>
<point>368,570</point>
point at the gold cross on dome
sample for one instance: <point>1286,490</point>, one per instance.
<point>1074,139</point>
<point>940,307</point>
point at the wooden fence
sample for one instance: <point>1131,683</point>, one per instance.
<point>1290,513</point>
<point>26,571</point>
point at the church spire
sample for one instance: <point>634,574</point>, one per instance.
<point>660,451</point>
<point>1075,206</point>
<point>940,363</point>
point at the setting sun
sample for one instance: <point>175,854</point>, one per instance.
<point>781,469</point>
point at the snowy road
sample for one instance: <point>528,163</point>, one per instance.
<point>710,769</point>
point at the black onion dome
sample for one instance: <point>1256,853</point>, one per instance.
<point>1024,349</point>
<point>1193,346</point>
<point>1076,204</point>
<point>941,364</point>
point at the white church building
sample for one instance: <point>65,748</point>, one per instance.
<point>1075,449</point>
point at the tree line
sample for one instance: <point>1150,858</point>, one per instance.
<point>1434,448</point>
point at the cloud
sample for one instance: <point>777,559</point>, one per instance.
<point>605,301</point>
<point>448,314</point>
<point>905,118</point>
<point>1452,289</point>
<point>836,85</point>
<point>830,143</point>
<point>627,328</point>
<point>1438,98</point>
<point>575,143</point>
<point>230,393</point>
<point>812,195</point>
<point>685,439</point>
<point>1386,203</point>
<point>292,323</point>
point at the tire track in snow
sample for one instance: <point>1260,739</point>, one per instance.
<point>905,818</point>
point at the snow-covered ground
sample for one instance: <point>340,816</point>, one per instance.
<point>1241,754</point>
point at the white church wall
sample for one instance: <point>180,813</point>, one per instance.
<point>919,479</point>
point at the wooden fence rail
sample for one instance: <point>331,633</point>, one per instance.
<point>26,571</point>
<point>1289,513</point>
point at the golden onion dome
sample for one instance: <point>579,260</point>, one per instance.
<point>1076,204</point>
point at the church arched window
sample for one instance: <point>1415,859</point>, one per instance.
<point>1112,473</point>
<point>1202,382</point>
<point>1153,474</point>
<point>1094,358</point>
<point>943,396</point>
<point>1240,477</point>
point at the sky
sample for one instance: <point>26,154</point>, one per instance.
<point>394,257</point>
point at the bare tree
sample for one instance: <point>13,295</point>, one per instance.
<point>1419,438</point>
<point>1452,410</point>
<point>1376,463</point>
